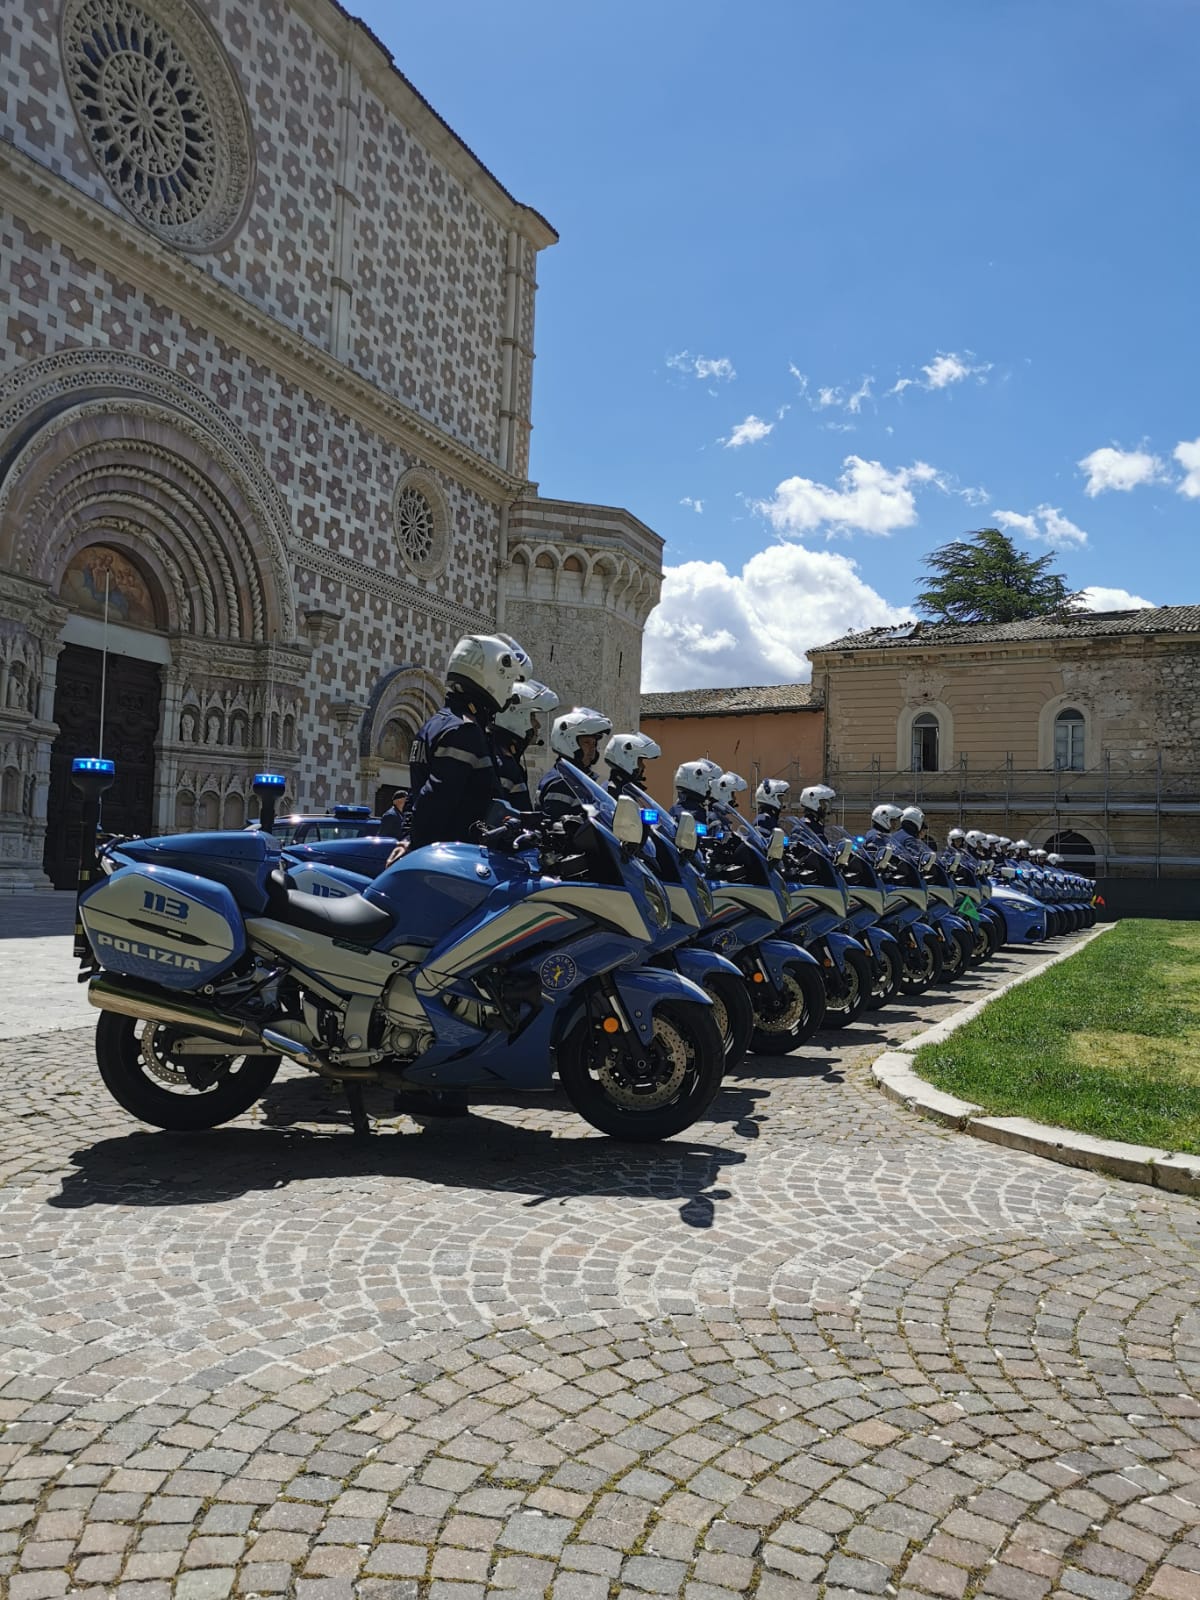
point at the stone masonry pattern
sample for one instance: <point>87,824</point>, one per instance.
<point>814,1350</point>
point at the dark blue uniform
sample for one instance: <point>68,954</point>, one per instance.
<point>691,803</point>
<point>556,798</point>
<point>510,770</point>
<point>454,778</point>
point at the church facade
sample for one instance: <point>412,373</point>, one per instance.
<point>265,392</point>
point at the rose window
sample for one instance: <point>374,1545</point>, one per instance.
<point>162,115</point>
<point>420,525</point>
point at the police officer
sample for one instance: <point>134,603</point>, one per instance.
<point>693,779</point>
<point>575,737</point>
<point>769,797</point>
<point>625,756</point>
<point>453,770</point>
<point>514,728</point>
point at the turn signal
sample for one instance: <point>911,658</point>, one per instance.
<point>610,1025</point>
<point>758,978</point>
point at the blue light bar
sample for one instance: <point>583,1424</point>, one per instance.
<point>701,829</point>
<point>93,764</point>
<point>270,780</point>
<point>649,816</point>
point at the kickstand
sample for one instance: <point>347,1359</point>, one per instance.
<point>358,1113</point>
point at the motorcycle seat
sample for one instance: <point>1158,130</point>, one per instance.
<point>350,918</point>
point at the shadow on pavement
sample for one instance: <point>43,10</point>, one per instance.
<point>470,1152</point>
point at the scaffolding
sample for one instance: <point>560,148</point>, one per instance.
<point>1145,812</point>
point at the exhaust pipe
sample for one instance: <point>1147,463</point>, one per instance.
<point>157,1007</point>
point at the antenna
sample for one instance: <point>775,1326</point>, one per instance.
<point>104,663</point>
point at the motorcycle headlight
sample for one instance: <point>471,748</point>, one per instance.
<point>660,906</point>
<point>705,898</point>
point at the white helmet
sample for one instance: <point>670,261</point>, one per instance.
<point>1038,855</point>
<point>529,699</point>
<point>487,665</point>
<point>886,816</point>
<point>725,786</point>
<point>627,751</point>
<point>816,798</point>
<point>579,721</point>
<point>1054,859</point>
<point>915,815</point>
<point>1022,847</point>
<point>694,777</point>
<point>771,793</point>
<point>994,841</point>
<point>956,837</point>
<point>976,841</point>
<point>1005,843</point>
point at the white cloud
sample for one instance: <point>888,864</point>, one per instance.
<point>869,499</point>
<point>749,431</point>
<point>1052,528</point>
<point>863,392</point>
<point>947,367</point>
<point>714,628</point>
<point>1095,598</point>
<point>693,505</point>
<point>720,368</point>
<point>828,397</point>
<point>1111,468</point>
<point>1188,456</point>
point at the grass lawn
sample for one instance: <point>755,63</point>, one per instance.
<point>1107,1043</point>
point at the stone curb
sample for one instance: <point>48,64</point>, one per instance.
<point>1136,1163</point>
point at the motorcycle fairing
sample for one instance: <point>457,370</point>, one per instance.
<point>778,955</point>
<point>697,964</point>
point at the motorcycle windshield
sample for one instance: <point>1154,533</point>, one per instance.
<point>666,822</point>
<point>736,823</point>
<point>590,792</point>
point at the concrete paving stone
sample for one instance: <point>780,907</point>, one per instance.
<point>887,1344</point>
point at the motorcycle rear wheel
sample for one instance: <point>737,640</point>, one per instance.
<point>781,1026</point>
<point>688,1056</point>
<point>179,1094</point>
<point>926,969</point>
<point>843,1009</point>
<point>734,1015</point>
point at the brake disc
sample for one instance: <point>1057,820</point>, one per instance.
<point>669,1064</point>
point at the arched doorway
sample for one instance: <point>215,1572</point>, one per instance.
<point>1076,851</point>
<point>400,702</point>
<point>106,700</point>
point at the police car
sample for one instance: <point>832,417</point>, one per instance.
<point>341,822</point>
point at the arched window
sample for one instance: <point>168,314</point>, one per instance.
<point>1068,740</point>
<point>925,742</point>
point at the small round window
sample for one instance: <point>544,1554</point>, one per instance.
<point>420,521</point>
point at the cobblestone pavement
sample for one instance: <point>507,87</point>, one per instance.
<point>818,1348</point>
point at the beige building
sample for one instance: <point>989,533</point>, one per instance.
<point>774,731</point>
<point>1079,731</point>
<point>266,361</point>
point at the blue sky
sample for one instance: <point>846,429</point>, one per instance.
<point>840,280</point>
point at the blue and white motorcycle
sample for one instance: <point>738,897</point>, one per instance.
<point>458,971</point>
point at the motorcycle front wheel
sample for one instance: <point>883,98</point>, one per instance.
<point>734,1015</point>
<point>886,981</point>
<point>182,1094</point>
<point>611,1091</point>
<point>923,967</point>
<point>784,1021</point>
<point>845,1000</point>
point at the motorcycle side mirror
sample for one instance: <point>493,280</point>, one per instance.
<point>844,851</point>
<point>776,847</point>
<point>627,824</point>
<point>886,854</point>
<point>685,832</point>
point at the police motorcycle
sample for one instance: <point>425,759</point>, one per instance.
<point>783,981</point>
<point>819,911</point>
<point>974,894</point>
<point>905,908</point>
<point>866,894</point>
<point>459,970</point>
<point>1025,917</point>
